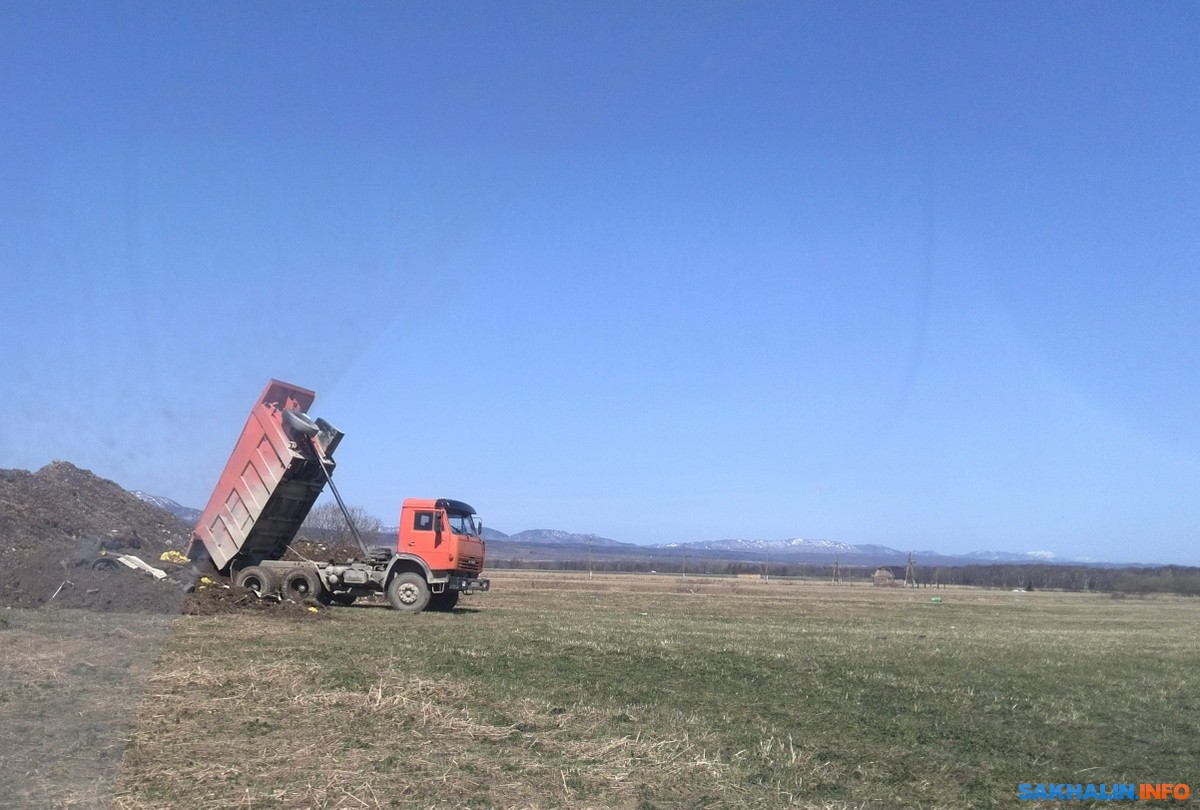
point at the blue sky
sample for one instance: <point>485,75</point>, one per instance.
<point>915,274</point>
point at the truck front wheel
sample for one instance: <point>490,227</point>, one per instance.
<point>408,591</point>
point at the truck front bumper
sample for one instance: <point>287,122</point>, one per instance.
<point>467,584</point>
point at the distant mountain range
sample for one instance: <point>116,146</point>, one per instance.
<point>554,544</point>
<point>553,537</point>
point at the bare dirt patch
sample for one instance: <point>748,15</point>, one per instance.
<point>71,683</point>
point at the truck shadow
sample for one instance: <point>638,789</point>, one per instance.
<point>376,606</point>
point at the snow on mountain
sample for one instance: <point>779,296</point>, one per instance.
<point>185,513</point>
<point>1009,556</point>
<point>792,547</point>
<point>795,545</point>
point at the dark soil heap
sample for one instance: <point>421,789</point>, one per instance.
<point>57,522</point>
<point>61,505</point>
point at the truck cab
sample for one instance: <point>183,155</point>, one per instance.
<point>445,533</point>
<point>438,555</point>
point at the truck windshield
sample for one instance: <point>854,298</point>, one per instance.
<point>462,524</point>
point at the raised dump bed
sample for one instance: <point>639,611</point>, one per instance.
<point>271,481</point>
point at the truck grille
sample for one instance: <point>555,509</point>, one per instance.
<point>469,563</point>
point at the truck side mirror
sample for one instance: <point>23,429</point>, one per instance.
<point>437,527</point>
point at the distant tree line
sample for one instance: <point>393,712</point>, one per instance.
<point>327,524</point>
<point>1176,579</point>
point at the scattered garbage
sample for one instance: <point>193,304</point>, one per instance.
<point>129,560</point>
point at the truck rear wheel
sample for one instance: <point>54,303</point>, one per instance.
<point>260,580</point>
<point>445,601</point>
<point>301,584</point>
<point>408,591</point>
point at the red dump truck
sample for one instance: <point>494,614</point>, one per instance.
<point>279,466</point>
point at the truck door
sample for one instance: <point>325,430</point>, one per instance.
<point>422,535</point>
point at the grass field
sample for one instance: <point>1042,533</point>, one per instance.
<point>652,691</point>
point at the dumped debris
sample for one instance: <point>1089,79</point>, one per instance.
<point>213,597</point>
<point>71,539</point>
<point>110,561</point>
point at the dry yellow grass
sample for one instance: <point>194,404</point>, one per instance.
<point>71,684</point>
<point>657,691</point>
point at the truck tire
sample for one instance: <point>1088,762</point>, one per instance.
<point>300,584</point>
<point>408,591</point>
<point>444,601</point>
<point>258,579</point>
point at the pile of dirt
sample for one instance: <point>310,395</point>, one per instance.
<point>62,530</point>
<point>62,507</point>
<point>56,522</point>
<point>214,596</point>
